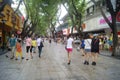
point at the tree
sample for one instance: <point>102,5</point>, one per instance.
<point>75,10</point>
<point>41,16</point>
<point>33,12</point>
<point>51,12</point>
<point>113,10</point>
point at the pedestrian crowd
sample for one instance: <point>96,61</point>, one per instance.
<point>15,47</point>
<point>90,47</point>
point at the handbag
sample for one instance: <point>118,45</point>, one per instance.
<point>9,48</point>
<point>41,44</point>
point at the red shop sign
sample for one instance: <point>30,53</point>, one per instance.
<point>118,17</point>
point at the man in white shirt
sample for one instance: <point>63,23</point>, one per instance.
<point>39,40</point>
<point>69,48</point>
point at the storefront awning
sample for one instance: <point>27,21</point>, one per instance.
<point>95,31</point>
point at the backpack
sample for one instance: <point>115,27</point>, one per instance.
<point>41,44</point>
<point>82,45</point>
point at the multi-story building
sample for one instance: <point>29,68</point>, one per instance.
<point>94,20</point>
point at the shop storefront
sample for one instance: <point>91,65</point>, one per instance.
<point>9,22</point>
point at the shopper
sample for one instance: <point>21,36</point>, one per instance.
<point>11,44</point>
<point>95,49</point>
<point>69,48</point>
<point>29,47</point>
<point>87,49</point>
<point>19,50</point>
<point>40,45</point>
<point>82,46</point>
<point>34,44</point>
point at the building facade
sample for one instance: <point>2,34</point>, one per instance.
<point>94,20</point>
<point>9,22</point>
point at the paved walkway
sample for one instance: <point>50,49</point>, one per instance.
<point>53,66</point>
<point>3,52</point>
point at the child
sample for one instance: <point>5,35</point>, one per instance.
<point>19,50</point>
<point>34,44</point>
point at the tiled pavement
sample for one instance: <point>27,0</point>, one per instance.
<point>53,66</point>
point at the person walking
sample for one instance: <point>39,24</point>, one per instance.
<point>95,49</point>
<point>19,50</point>
<point>82,46</point>
<point>29,47</point>
<point>50,40</point>
<point>40,45</point>
<point>69,48</point>
<point>11,44</point>
<point>87,50</point>
<point>34,44</point>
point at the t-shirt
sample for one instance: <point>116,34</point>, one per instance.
<point>34,43</point>
<point>38,41</point>
<point>18,47</point>
<point>12,42</point>
<point>28,42</point>
<point>69,43</point>
<point>82,44</point>
<point>88,43</point>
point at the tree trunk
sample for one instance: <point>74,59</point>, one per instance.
<point>18,6</point>
<point>27,32</point>
<point>33,30</point>
<point>24,27</point>
<point>115,35</point>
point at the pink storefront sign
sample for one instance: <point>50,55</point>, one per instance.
<point>102,21</point>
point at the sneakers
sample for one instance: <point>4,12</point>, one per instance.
<point>93,63</point>
<point>12,57</point>
<point>22,58</point>
<point>69,62</point>
<point>6,56</point>
<point>27,59</point>
<point>16,59</point>
<point>86,63</point>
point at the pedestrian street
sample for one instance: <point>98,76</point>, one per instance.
<point>53,66</point>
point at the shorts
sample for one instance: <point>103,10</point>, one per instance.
<point>28,48</point>
<point>87,50</point>
<point>82,47</point>
<point>69,50</point>
<point>95,50</point>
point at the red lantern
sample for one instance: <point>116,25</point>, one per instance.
<point>18,32</point>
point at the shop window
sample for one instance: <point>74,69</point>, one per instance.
<point>88,11</point>
<point>91,9</point>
